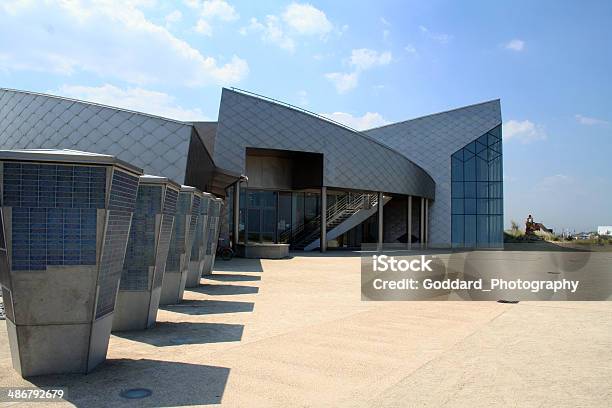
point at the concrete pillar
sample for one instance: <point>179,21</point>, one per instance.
<point>323,239</point>
<point>409,222</point>
<point>60,297</point>
<point>201,261</point>
<point>179,255</point>
<point>236,215</point>
<point>145,259</point>
<point>422,223</point>
<point>213,234</point>
<point>381,204</point>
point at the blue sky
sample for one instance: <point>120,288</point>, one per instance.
<point>363,63</point>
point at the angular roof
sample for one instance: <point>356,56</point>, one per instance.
<point>352,160</point>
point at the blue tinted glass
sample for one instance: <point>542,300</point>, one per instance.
<point>470,206</point>
<point>469,169</point>
<point>470,230</point>
<point>457,190</point>
<point>456,170</point>
<point>477,189</point>
<point>469,189</point>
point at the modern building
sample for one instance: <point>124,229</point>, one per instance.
<point>66,216</point>
<point>312,183</point>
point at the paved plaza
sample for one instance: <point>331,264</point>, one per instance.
<point>295,333</point>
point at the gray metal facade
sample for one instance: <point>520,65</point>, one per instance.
<point>351,160</point>
<point>430,141</point>
<point>35,121</point>
<point>411,157</point>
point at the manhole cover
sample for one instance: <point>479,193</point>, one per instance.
<point>136,393</point>
<point>508,301</point>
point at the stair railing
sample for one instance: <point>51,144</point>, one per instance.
<point>347,202</point>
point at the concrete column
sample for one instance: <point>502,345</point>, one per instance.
<point>236,215</point>
<point>422,223</point>
<point>381,204</point>
<point>409,222</point>
<point>323,240</point>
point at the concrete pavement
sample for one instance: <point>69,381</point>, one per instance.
<point>295,333</point>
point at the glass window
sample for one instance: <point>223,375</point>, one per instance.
<point>470,205</point>
<point>457,229</point>
<point>483,230</point>
<point>470,230</point>
<point>483,207</point>
<point>457,190</point>
<point>457,206</point>
<point>469,169</point>
<point>457,170</point>
<point>477,192</point>
<point>469,190</point>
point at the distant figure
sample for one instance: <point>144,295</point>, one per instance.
<point>529,218</point>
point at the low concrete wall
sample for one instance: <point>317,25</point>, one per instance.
<point>266,251</point>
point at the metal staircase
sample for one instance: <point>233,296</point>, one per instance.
<point>306,236</point>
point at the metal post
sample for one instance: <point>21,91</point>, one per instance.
<point>323,240</point>
<point>427,221</point>
<point>380,220</point>
<point>236,209</point>
<point>422,223</point>
<point>409,224</point>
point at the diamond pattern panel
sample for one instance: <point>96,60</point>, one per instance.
<point>34,121</point>
<point>351,160</point>
<point>430,141</point>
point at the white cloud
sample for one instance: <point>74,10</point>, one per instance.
<point>296,20</point>
<point>271,32</point>
<point>203,27</point>
<point>554,182</point>
<point>219,9</point>
<point>410,49</point>
<point>385,22</point>
<point>368,121</point>
<point>524,131</point>
<point>111,42</point>
<point>361,60</point>
<point>590,121</point>
<point>343,82</point>
<point>137,99</point>
<point>174,17</point>
<point>364,58</point>
<point>441,38</point>
<point>210,10</point>
<point>515,45</point>
<point>306,19</point>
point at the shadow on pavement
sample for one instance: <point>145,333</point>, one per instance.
<point>238,265</point>
<point>225,289</point>
<point>232,277</point>
<point>166,334</point>
<point>204,307</point>
<point>172,384</point>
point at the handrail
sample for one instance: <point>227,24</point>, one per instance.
<point>349,201</point>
